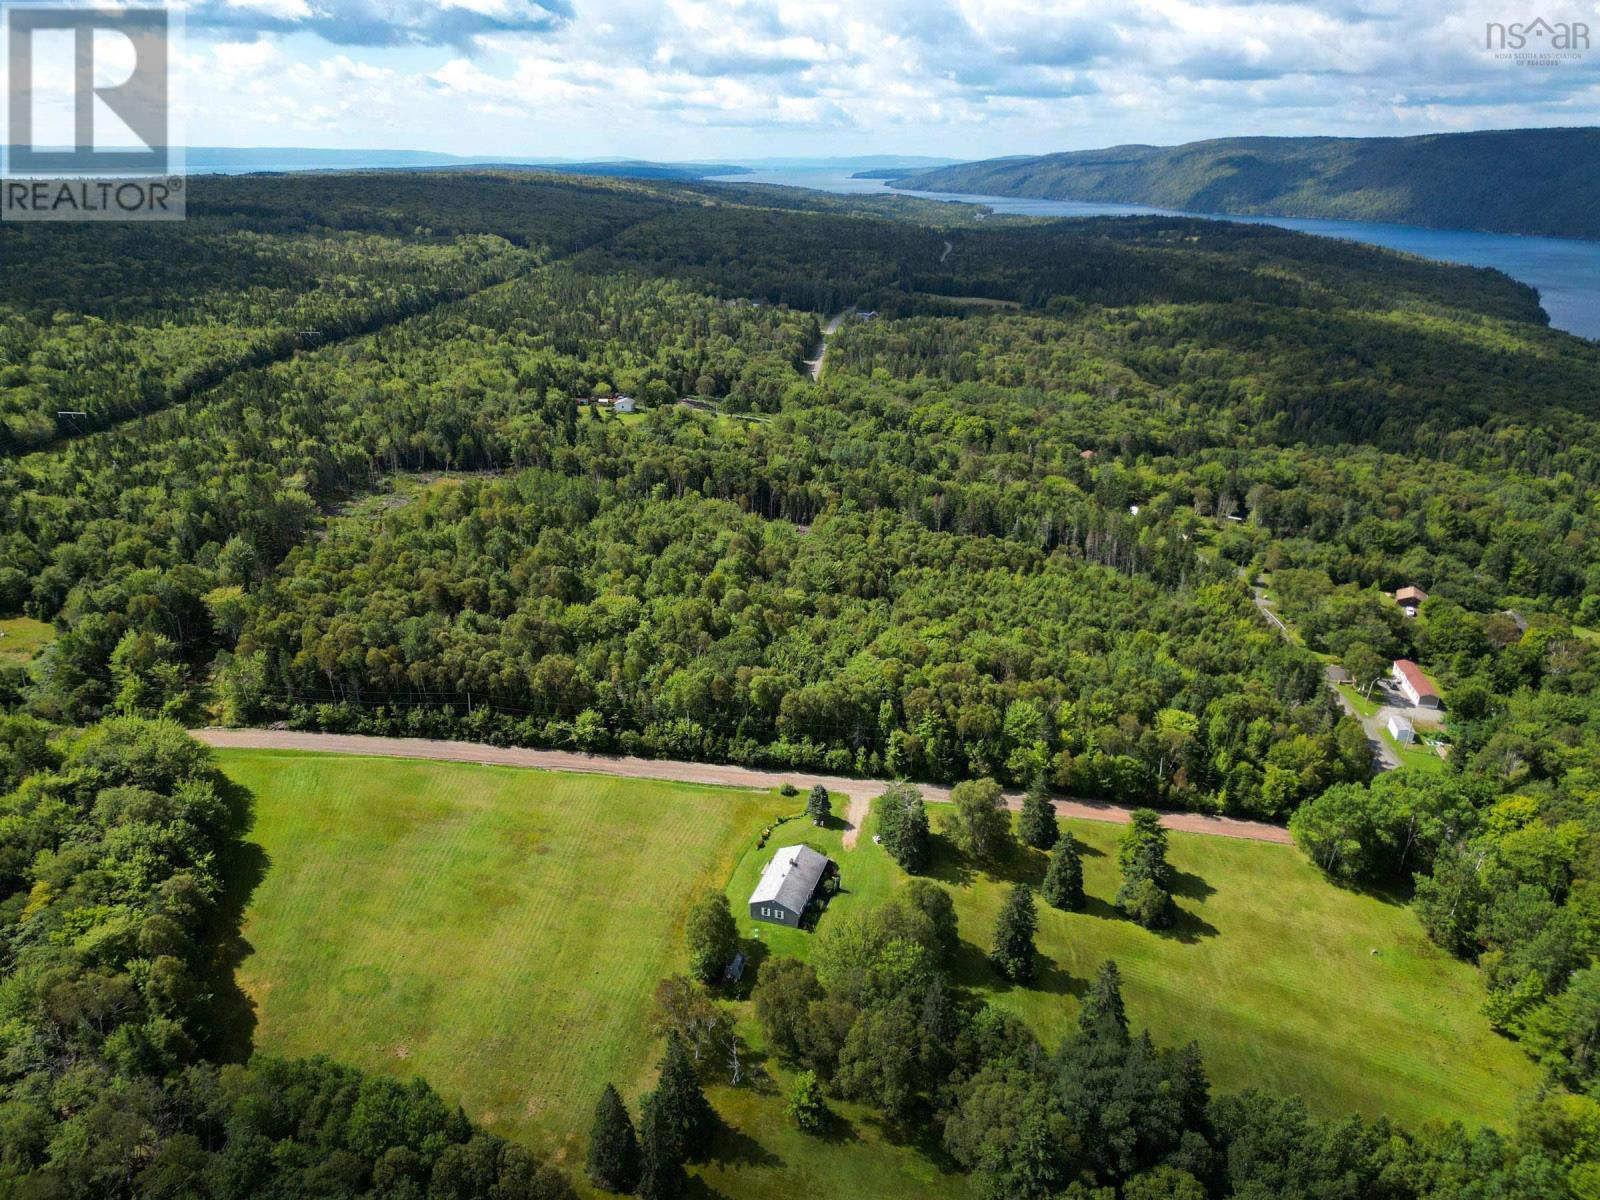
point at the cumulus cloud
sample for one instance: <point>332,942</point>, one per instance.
<point>379,22</point>
<point>959,76</point>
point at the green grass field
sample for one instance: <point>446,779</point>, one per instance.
<point>1270,969</point>
<point>497,930</point>
<point>500,931</point>
<point>21,639</point>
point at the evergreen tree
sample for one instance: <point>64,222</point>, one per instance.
<point>818,806</point>
<point>661,1174</point>
<point>1037,824</point>
<point>1063,882</point>
<point>1013,951</point>
<point>1143,852</point>
<point>1145,893</point>
<point>684,1105</point>
<point>712,935</point>
<point>1146,902</point>
<point>1103,1013</point>
<point>613,1149</point>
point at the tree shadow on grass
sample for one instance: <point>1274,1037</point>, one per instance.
<point>1050,977</point>
<point>838,1130</point>
<point>949,864</point>
<point>970,968</point>
<point>1398,893</point>
<point>1188,927</point>
<point>231,1029</point>
<point>1104,910</point>
<point>1191,886</point>
<point>737,1148</point>
<point>917,1131</point>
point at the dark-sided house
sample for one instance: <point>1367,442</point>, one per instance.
<point>787,885</point>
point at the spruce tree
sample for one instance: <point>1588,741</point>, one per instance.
<point>1103,1012</point>
<point>1063,882</point>
<point>1012,955</point>
<point>1146,878</point>
<point>661,1174</point>
<point>818,807</point>
<point>613,1149</point>
<point>1037,824</point>
<point>685,1106</point>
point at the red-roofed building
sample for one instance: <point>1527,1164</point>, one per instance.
<point>1408,677</point>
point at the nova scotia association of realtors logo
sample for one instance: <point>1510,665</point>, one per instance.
<point>88,129</point>
<point>1537,43</point>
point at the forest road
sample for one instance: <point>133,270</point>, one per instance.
<point>814,365</point>
<point>860,791</point>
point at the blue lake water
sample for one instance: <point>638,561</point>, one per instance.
<point>1566,271</point>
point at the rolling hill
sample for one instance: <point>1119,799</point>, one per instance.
<point>1528,181</point>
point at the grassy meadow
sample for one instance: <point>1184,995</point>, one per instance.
<point>21,640</point>
<point>496,930</point>
<point>1270,968</point>
<point>500,931</point>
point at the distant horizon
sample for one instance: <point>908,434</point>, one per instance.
<point>801,161</point>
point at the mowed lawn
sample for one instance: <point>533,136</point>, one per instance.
<point>501,932</point>
<point>1270,968</point>
<point>498,931</point>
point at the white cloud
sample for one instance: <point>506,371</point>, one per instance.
<point>660,78</point>
<point>283,10</point>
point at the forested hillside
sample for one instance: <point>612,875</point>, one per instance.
<point>1539,181</point>
<point>328,456</point>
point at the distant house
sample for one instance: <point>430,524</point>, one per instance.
<point>622,404</point>
<point>1401,730</point>
<point>787,885</point>
<point>1414,685</point>
<point>1410,599</point>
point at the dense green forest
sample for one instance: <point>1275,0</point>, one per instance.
<point>1009,532</point>
<point>1538,181</point>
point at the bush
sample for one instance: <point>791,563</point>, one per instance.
<point>806,1107</point>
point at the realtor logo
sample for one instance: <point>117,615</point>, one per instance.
<point>87,124</point>
<point>1537,43</point>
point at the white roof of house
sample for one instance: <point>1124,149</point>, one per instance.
<point>1399,724</point>
<point>790,878</point>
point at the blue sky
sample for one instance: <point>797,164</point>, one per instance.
<point>677,79</point>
